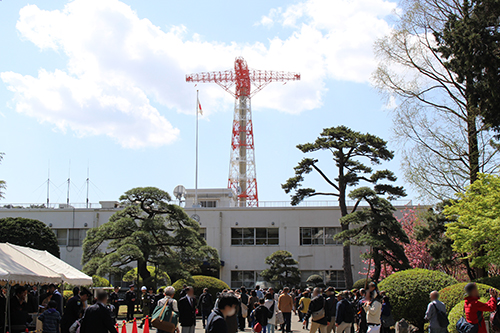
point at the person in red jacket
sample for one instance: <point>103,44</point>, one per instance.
<point>474,308</point>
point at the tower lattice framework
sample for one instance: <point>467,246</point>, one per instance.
<point>242,171</point>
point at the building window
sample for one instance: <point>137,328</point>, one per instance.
<point>76,237</point>
<point>203,233</point>
<point>62,236</point>
<point>319,236</point>
<point>254,236</point>
<point>208,203</point>
<point>243,278</point>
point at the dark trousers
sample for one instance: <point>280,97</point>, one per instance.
<point>204,316</point>
<point>286,327</point>
<point>130,311</point>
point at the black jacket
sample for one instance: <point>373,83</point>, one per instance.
<point>18,311</point>
<point>129,296</point>
<point>187,311</point>
<point>332,304</point>
<point>216,323</point>
<point>97,319</point>
<point>71,313</point>
<point>317,303</point>
<point>263,314</point>
<point>205,302</point>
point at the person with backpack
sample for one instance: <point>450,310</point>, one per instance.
<point>205,305</point>
<point>319,312</point>
<point>344,315</point>
<point>436,314</point>
<point>474,309</point>
<point>170,306</point>
<point>262,315</point>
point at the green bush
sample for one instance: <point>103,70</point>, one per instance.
<point>199,282</point>
<point>315,280</point>
<point>458,311</point>
<point>360,283</point>
<point>493,281</point>
<point>409,292</point>
<point>454,294</point>
<point>99,281</point>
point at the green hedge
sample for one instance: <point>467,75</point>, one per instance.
<point>360,283</point>
<point>99,281</point>
<point>199,282</point>
<point>458,311</point>
<point>454,294</point>
<point>409,292</point>
<point>493,281</point>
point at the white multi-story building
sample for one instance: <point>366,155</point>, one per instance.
<point>244,236</point>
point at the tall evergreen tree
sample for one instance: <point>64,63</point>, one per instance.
<point>378,228</point>
<point>148,230</point>
<point>349,150</point>
<point>469,43</point>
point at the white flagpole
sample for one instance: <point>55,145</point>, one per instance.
<point>196,172</point>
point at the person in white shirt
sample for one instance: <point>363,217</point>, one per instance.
<point>373,309</point>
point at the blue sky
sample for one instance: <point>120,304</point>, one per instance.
<point>100,83</point>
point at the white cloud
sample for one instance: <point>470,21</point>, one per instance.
<point>119,63</point>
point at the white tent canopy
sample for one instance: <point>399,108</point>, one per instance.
<point>23,265</point>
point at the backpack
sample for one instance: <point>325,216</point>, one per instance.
<point>165,318</point>
<point>442,318</point>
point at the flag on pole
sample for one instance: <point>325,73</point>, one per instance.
<point>200,110</point>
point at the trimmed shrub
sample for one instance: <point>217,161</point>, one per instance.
<point>360,283</point>
<point>314,280</point>
<point>199,282</point>
<point>162,277</point>
<point>493,281</point>
<point>458,311</point>
<point>454,294</point>
<point>99,281</point>
<point>409,292</point>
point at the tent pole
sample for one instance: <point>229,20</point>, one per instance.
<point>7,308</point>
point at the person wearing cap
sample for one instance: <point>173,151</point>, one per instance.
<point>331,299</point>
<point>73,308</point>
<point>343,318</point>
<point>474,308</point>
<point>145,304</point>
<point>114,300</point>
<point>130,298</point>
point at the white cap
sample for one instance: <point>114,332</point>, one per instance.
<point>144,288</point>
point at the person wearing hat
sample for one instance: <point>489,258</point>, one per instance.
<point>331,299</point>
<point>474,308</point>
<point>114,300</point>
<point>73,308</point>
<point>344,316</point>
<point>130,298</point>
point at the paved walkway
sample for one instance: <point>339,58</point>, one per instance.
<point>296,327</point>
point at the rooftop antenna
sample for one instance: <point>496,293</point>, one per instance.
<point>69,182</point>
<point>88,182</point>
<point>48,185</point>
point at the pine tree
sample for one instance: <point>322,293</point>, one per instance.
<point>376,227</point>
<point>283,270</point>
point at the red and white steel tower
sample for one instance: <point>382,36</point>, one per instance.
<point>242,174</point>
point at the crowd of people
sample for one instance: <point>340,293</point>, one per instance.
<point>261,310</point>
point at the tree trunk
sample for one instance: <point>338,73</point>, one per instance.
<point>377,265</point>
<point>346,249</point>
<point>142,270</point>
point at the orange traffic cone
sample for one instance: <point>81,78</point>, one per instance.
<point>116,326</point>
<point>124,327</point>
<point>146,325</point>
<point>27,331</point>
<point>134,326</point>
